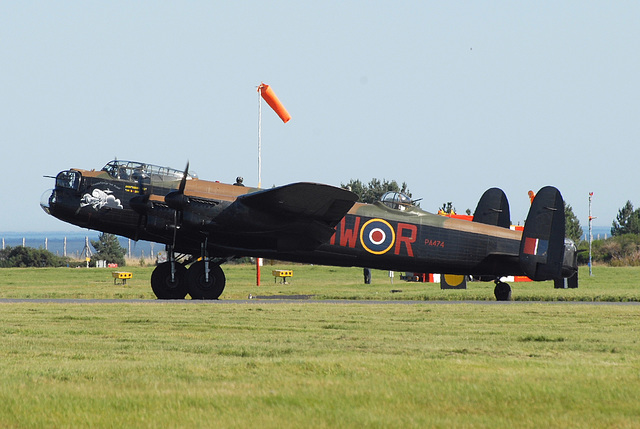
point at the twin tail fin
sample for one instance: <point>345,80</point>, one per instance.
<point>542,249</point>
<point>493,209</point>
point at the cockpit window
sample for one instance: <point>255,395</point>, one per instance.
<point>396,200</point>
<point>68,179</point>
<point>130,170</point>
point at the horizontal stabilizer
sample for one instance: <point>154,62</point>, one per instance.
<point>493,209</point>
<point>542,246</point>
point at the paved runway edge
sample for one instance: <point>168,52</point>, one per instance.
<point>272,301</point>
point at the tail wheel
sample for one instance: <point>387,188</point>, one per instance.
<point>202,286</point>
<point>166,287</point>
<point>502,291</point>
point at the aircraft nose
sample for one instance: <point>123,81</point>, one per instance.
<point>46,199</point>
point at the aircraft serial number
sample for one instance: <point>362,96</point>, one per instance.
<point>434,243</point>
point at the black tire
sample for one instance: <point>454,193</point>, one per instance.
<point>162,285</point>
<point>502,292</point>
<point>198,287</point>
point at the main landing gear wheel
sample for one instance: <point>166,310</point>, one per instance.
<point>201,287</point>
<point>164,286</point>
<point>502,291</point>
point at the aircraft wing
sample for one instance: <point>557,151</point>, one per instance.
<point>308,200</point>
<point>299,215</point>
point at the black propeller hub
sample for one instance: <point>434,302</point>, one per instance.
<point>141,204</point>
<point>176,200</point>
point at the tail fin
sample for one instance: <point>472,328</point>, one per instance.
<point>542,245</point>
<point>493,209</point>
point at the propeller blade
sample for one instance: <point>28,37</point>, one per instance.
<point>139,226</point>
<point>183,182</point>
<point>176,199</point>
<point>140,203</point>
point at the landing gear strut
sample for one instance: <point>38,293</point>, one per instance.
<point>502,291</point>
<point>203,280</point>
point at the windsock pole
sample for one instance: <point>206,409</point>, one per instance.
<point>259,137</point>
<point>591,218</point>
<point>265,91</point>
<point>259,166</point>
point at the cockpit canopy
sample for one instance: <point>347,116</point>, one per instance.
<point>131,170</point>
<point>396,200</point>
<point>68,179</point>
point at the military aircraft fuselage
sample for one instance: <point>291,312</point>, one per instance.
<point>418,241</point>
<point>305,222</point>
<point>369,235</point>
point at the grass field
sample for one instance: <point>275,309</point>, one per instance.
<point>606,284</point>
<point>267,365</point>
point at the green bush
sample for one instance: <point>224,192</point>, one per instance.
<point>22,257</point>
<point>617,251</point>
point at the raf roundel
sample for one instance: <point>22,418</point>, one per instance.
<point>377,236</point>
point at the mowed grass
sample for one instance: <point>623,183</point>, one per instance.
<point>158,364</point>
<point>315,365</point>
<point>320,282</point>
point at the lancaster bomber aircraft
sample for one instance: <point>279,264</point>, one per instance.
<point>212,222</point>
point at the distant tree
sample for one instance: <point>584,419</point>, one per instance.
<point>108,248</point>
<point>573,230</point>
<point>23,257</point>
<point>371,192</point>
<point>627,221</point>
<point>357,187</point>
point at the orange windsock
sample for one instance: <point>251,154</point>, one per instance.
<point>272,100</point>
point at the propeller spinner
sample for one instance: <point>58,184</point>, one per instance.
<point>177,200</point>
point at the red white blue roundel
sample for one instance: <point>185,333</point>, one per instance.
<point>377,236</point>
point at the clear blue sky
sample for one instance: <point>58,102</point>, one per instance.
<point>451,97</point>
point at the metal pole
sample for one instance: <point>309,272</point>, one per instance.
<point>590,232</point>
<point>259,137</point>
<point>87,251</point>
<point>259,166</point>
